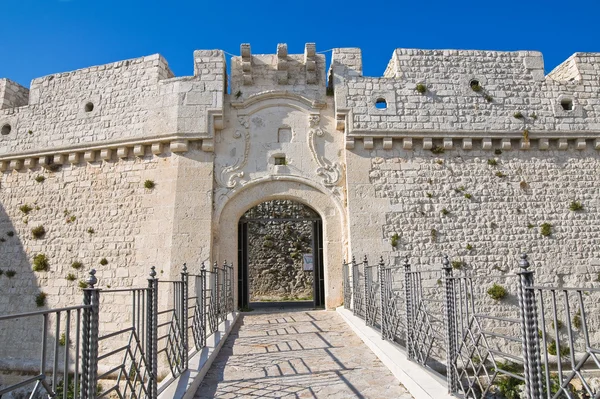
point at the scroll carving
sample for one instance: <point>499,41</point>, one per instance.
<point>330,172</point>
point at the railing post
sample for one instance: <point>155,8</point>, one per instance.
<point>529,332</point>
<point>89,350</point>
<point>184,317</point>
<point>152,333</point>
<point>224,293</point>
<point>355,287</point>
<point>382,313</point>
<point>450,326</point>
<point>202,295</point>
<point>365,288</point>
<point>408,305</point>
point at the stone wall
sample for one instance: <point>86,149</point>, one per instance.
<point>93,211</point>
<point>482,208</point>
<point>275,260</point>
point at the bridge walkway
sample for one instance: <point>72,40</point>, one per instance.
<point>277,353</point>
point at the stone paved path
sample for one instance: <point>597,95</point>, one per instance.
<point>297,354</point>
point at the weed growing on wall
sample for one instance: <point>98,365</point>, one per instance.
<point>149,184</point>
<point>576,206</point>
<point>25,209</point>
<point>497,292</point>
<point>76,265</point>
<point>40,178</point>
<point>546,229</point>
<point>40,263</point>
<point>71,277</point>
<point>40,299</point>
<point>38,232</point>
<point>421,88</point>
<point>395,239</point>
<point>103,262</point>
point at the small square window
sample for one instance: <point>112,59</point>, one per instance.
<point>280,161</point>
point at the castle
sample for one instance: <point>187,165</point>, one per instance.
<point>477,154</point>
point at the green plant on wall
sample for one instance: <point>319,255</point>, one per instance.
<point>492,162</point>
<point>71,277</point>
<point>40,178</point>
<point>91,231</point>
<point>76,265</point>
<point>434,235</point>
<point>518,115</point>
<point>469,247</point>
<point>546,229</point>
<point>40,263</point>
<point>468,196</point>
<point>103,262</point>
<point>25,209</point>
<point>457,264</point>
<point>576,206</point>
<point>394,240</point>
<point>40,299</point>
<point>552,349</point>
<point>438,150</point>
<point>421,88</point>
<point>38,232</point>
<point>444,211</point>
<point>149,184</point>
<point>497,292</point>
<point>500,174</point>
<point>576,321</point>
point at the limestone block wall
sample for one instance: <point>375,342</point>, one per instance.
<point>99,210</point>
<point>483,208</point>
<point>12,94</point>
<point>104,103</point>
<point>509,83</point>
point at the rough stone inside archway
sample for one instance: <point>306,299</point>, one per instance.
<point>280,232</point>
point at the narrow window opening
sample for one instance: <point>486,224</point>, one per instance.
<point>280,161</point>
<point>380,103</point>
<point>89,107</point>
<point>6,129</point>
<point>566,104</point>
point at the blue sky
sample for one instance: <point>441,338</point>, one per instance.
<point>41,37</point>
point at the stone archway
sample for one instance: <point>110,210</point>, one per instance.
<point>297,189</point>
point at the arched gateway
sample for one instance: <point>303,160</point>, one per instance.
<point>229,239</point>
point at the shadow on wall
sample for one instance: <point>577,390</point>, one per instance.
<point>21,338</point>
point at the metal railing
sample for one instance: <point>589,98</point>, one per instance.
<point>540,347</point>
<point>95,353</point>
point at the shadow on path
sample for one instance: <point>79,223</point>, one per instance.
<point>297,354</point>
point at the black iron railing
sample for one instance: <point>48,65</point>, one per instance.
<point>547,346</point>
<point>127,354</point>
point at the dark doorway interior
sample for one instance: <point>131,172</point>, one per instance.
<point>280,256</point>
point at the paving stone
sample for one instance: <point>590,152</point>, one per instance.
<point>297,354</point>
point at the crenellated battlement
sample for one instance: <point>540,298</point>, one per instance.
<point>424,95</point>
<point>294,73</point>
<point>456,93</point>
